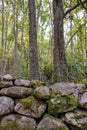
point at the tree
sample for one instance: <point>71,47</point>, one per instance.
<point>60,65</point>
<point>33,49</point>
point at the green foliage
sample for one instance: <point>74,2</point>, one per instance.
<point>77,68</point>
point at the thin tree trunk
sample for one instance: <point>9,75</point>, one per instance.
<point>1,56</point>
<point>60,65</point>
<point>6,33</point>
<point>16,38</point>
<point>22,35</point>
<point>33,49</point>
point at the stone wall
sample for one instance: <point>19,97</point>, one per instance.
<point>29,105</point>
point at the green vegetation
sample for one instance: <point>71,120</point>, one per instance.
<point>27,102</point>
<point>75,31</point>
<point>61,128</point>
<point>72,100</point>
<point>10,126</point>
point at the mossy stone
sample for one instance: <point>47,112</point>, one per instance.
<point>72,100</point>
<point>61,104</point>
<point>61,128</point>
<point>27,102</point>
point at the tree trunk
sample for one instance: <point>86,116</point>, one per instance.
<point>33,49</point>
<point>22,40</point>
<point>1,56</point>
<point>60,65</point>
<point>15,37</point>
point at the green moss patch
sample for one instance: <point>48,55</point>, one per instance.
<point>27,102</point>
<point>9,126</point>
<point>71,100</point>
<point>61,128</point>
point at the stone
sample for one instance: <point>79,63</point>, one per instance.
<point>30,106</point>
<point>83,100</point>
<point>61,104</point>
<point>42,92</point>
<point>4,84</point>
<point>6,105</point>
<point>51,123</point>
<point>36,83</point>
<point>22,82</point>
<point>77,120</point>
<point>8,77</point>
<point>18,122</point>
<point>63,88</point>
<point>81,88</point>
<point>16,92</point>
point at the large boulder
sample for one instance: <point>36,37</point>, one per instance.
<point>77,120</point>
<point>17,122</point>
<point>61,104</point>
<point>22,82</point>
<point>4,84</point>
<point>16,92</point>
<point>42,92</point>
<point>63,88</point>
<point>30,106</point>
<point>6,105</point>
<point>51,123</point>
<point>83,100</point>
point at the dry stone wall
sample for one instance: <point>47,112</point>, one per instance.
<point>29,105</point>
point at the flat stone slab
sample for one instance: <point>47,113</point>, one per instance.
<point>63,88</point>
<point>6,105</point>
<point>22,82</point>
<point>4,84</point>
<point>16,92</point>
<point>8,77</point>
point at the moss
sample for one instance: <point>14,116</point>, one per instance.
<point>53,95</point>
<point>71,100</point>
<point>9,126</point>
<point>40,96</point>
<point>27,102</point>
<point>61,128</point>
<point>36,83</point>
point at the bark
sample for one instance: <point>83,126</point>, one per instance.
<point>6,52</point>
<point>33,49</point>
<point>2,23</point>
<point>60,65</point>
<point>1,56</point>
<point>15,37</point>
<point>22,35</point>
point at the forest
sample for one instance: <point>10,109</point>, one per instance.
<point>44,39</point>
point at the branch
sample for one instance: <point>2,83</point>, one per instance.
<point>74,7</point>
<point>75,34</point>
